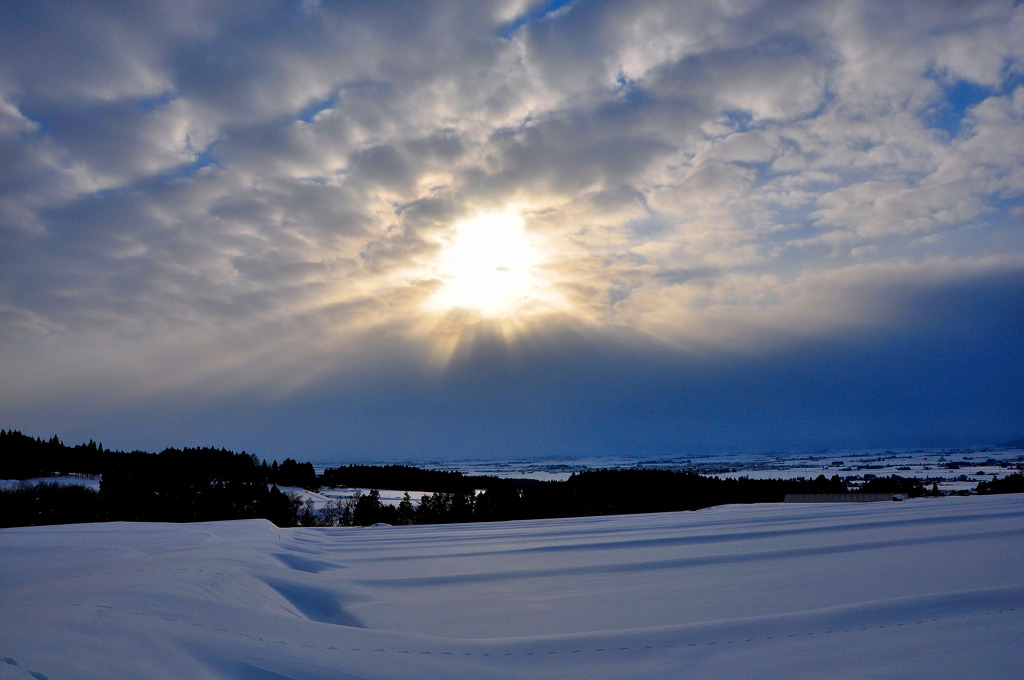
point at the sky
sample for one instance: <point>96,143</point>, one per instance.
<point>369,231</point>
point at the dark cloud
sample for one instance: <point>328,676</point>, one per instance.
<point>948,374</point>
<point>564,156</point>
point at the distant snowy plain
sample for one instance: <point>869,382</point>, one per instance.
<point>950,469</point>
<point>921,589</point>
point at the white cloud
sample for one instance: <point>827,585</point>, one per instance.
<point>688,162</point>
<point>12,121</point>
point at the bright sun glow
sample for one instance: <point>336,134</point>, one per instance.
<point>489,267</point>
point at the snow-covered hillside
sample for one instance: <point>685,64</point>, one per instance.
<point>922,589</point>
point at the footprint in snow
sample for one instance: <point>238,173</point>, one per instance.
<point>12,662</point>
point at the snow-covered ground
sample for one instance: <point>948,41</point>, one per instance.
<point>64,480</point>
<point>929,588</point>
<point>951,469</point>
<point>328,495</point>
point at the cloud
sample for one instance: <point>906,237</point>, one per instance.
<point>217,198</point>
<point>12,121</point>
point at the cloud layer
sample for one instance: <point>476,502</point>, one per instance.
<point>244,205</point>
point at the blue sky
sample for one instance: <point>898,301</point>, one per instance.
<point>379,231</point>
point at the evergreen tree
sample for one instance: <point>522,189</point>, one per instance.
<point>368,509</point>
<point>406,511</point>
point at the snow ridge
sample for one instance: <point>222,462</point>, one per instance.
<point>929,588</point>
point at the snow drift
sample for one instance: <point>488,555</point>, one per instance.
<point>921,589</point>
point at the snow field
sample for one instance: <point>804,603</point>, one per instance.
<point>326,495</point>
<point>67,480</point>
<point>930,588</point>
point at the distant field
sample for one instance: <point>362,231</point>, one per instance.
<point>951,469</point>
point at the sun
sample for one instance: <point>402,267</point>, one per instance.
<point>490,266</point>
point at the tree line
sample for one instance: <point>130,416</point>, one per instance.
<point>205,484</point>
<point>175,485</point>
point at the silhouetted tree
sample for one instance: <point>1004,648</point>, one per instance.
<point>368,509</point>
<point>406,511</point>
<point>910,486</point>
<point>1013,483</point>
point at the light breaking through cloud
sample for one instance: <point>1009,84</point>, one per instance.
<point>372,229</point>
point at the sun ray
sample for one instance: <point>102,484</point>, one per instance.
<point>497,280</point>
<point>490,268</point>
